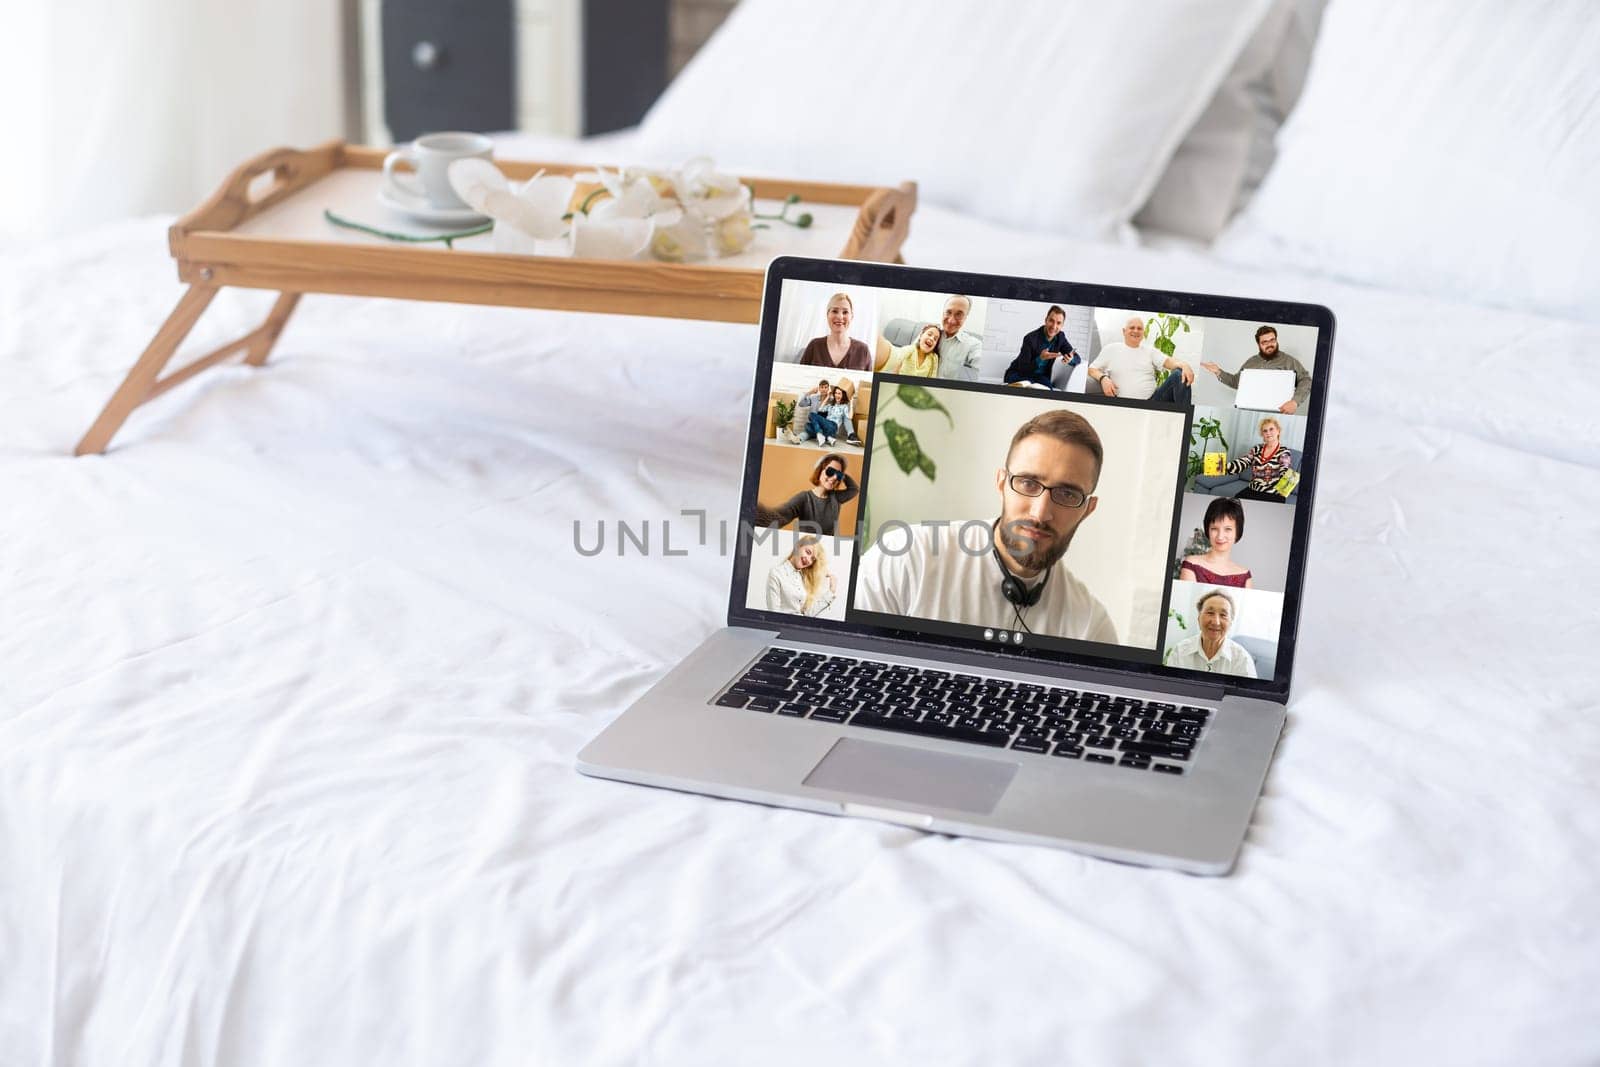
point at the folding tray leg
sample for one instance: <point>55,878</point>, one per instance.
<point>267,336</point>
<point>144,382</point>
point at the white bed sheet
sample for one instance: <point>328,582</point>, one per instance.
<point>291,684</point>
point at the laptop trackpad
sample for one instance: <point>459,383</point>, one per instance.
<point>913,775</point>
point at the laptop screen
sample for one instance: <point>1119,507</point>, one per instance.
<point>1112,477</point>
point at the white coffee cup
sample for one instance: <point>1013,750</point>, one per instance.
<point>430,157</point>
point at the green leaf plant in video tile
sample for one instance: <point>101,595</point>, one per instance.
<point>921,399</point>
<point>904,448</point>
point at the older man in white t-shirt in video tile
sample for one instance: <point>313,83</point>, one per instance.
<point>1124,368</point>
<point>1008,573</point>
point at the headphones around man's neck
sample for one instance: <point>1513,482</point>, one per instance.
<point>1014,589</point>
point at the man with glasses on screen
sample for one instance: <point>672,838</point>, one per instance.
<point>1007,574</point>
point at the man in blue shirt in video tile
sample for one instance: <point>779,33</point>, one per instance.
<point>1041,348</point>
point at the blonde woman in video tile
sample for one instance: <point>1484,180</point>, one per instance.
<point>837,348</point>
<point>1211,649</point>
<point>802,584</point>
<point>1224,528</point>
<point>1267,463</point>
<point>920,358</point>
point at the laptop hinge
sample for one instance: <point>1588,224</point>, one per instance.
<point>1196,690</point>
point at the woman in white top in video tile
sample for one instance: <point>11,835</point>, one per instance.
<point>1211,649</point>
<point>802,584</point>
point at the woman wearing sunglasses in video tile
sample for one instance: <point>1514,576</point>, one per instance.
<point>817,508</point>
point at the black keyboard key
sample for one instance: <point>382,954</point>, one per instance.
<point>732,700</point>
<point>750,689</point>
<point>1166,768</point>
<point>796,709</point>
<point>1098,757</point>
<point>1152,748</point>
<point>927,729</point>
<point>1030,743</point>
<point>764,704</point>
<point>830,715</point>
<point>1068,751</point>
<point>1137,764</point>
<point>1100,742</point>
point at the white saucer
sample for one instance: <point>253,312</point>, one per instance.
<point>434,216</point>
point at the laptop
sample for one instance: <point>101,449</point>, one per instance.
<point>1011,562</point>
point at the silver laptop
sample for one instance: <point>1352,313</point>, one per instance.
<point>1012,561</point>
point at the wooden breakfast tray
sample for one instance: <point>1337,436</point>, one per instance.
<point>264,229</point>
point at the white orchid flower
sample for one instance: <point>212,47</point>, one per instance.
<point>705,191</point>
<point>635,194</point>
<point>684,240</point>
<point>527,215</point>
<point>610,238</point>
<point>692,213</point>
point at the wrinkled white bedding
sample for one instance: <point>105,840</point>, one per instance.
<point>292,680</point>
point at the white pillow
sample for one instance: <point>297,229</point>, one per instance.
<point>1224,157</point>
<point>1055,114</point>
<point>1443,146</point>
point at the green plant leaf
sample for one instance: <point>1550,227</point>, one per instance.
<point>926,466</point>
<point>1165,346</point>
<point>903,446</point>
<point>921,399</point>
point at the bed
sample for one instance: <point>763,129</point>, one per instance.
<point>292,681</point>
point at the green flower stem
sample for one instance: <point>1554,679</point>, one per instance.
<point>799,222</point>
<point>409,238</point>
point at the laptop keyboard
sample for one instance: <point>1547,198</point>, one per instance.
<point>1069,723</point>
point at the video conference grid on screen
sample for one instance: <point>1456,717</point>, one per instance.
<point>1097,479</point>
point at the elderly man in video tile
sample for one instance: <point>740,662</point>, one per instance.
<point>958,347</point>
<point>1127,369</point>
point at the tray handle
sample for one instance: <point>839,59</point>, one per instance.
<point>258,183</point>
<point>883,224</point>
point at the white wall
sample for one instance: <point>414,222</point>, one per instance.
<point>119,108</point>
<point>1120,552</point>
<point>793,378</point>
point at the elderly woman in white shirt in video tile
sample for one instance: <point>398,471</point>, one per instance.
<point>1211,649</point>
<point>802,583</point>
